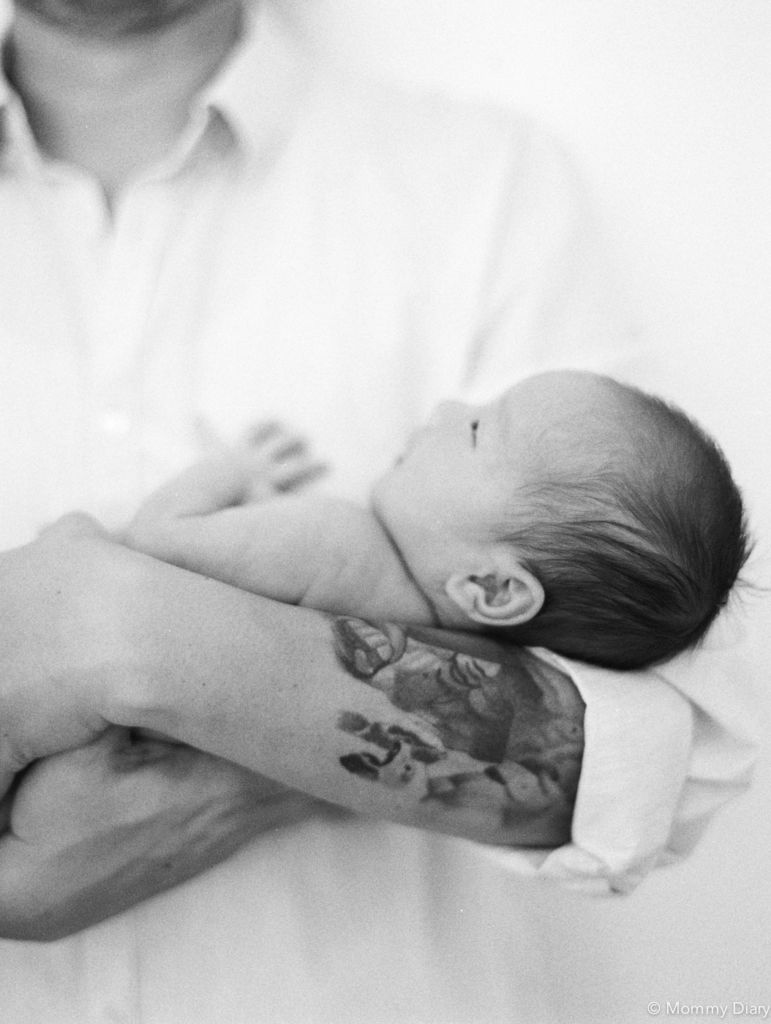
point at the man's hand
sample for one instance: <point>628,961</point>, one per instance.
<point>62,638</point>
<point>90,831</point>
<point>93,831</point>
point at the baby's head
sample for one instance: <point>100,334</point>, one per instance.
<point>574,513</point>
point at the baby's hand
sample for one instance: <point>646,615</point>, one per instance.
<point>271,460</point>
<point>278,459</point>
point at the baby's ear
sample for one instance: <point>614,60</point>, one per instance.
<point>497,598</point>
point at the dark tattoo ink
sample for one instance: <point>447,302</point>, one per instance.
<point>493,726</point>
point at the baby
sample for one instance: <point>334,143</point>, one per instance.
<point>572,513</point>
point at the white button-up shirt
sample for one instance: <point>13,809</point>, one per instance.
<point>300,249</point>
<point>340,256</point>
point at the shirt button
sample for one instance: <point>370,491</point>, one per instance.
<point>115,422</point>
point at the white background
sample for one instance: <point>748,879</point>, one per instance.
<point>666,105</point>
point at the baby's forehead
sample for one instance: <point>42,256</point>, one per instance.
<point>562,388</point>
<point>562,412</point>
<point>552,399</point>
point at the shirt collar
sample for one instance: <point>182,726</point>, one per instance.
<point>8,98</point>
<point>257,91</point>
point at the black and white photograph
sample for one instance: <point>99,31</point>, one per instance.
<point>385,522</point>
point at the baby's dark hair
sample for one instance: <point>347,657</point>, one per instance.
<point>639,547</point>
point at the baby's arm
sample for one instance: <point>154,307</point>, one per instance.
<point>303,549</point>
<point>272,459</point>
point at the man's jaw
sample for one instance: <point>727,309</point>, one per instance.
<point>112,19</point>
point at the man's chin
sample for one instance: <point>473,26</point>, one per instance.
<point>111,19</point>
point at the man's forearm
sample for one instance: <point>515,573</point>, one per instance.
<point>444,732</point>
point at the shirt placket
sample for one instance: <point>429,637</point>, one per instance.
<point>114,269</point>
<point>119,332</point>
<point>101,322</point>
<point>112,273</point>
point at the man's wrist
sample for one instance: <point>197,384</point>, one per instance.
<point>128,691</point>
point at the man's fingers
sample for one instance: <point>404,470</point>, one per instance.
<point>6,795</point>
<point>73,526</point>
<point>5,813</point>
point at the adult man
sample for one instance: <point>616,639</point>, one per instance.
<point>254,247</point>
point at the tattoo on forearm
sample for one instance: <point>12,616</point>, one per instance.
<point>488,726</point>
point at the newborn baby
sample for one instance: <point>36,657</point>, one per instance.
<point>572,512</point>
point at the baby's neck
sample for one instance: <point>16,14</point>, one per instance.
<point>439,609</point>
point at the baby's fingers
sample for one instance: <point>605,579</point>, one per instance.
<point>273,441</point>
<point>282,459</point>
<point>296,472</point>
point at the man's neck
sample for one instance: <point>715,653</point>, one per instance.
<point>116,106</point>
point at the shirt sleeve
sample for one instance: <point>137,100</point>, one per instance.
<point>638,738</point>
<point>657,764</point>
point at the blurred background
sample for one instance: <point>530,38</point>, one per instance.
<point>666,107</point>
